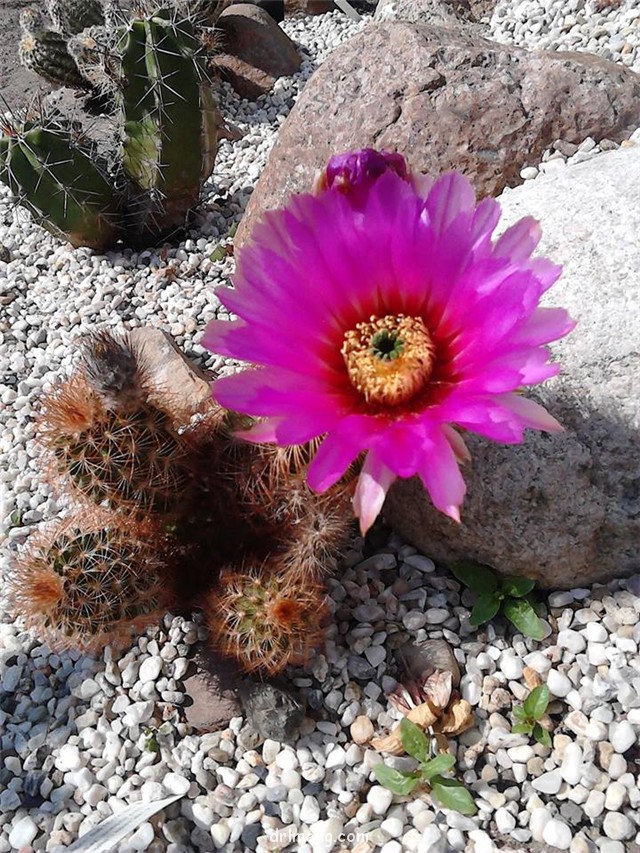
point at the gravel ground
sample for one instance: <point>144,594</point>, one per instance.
<point>77,733</point>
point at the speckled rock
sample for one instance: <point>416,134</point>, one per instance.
<point>563,509</point>
<point>254,50</point>
<point>449,99</point>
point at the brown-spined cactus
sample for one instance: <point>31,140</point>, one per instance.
<point>265,619</point>
<point>111,443</point>
<point>90,581</point>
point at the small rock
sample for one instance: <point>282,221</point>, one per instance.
<point>22,833</point>
<point>273,712</point>
<point>559,685</point>
<point>622,736</point>
<point>548,783</point>
<point>423,658</point>
<point>379,799</point>
<point>361,730</point>
<point>557,834</point>
<point>618,827</point>
<point>150,669</point>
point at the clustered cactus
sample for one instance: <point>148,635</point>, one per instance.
<point>172,511</point>
<point>153,66</point>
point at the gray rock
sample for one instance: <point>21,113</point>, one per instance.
<point>441,12</point>
<point>271,711</point>
<point>211,697</point>
<point>563,509</point>
<point>448,99</point>
<point>420,659</point>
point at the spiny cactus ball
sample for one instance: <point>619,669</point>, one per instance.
<point>110,442</point>
<point>90,582</point>
<point>264,620</point>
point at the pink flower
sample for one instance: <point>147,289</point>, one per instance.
<point>380,315</point>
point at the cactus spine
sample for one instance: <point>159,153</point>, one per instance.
<point>60,183</point>
<point>111,443</point>
<point>88,582</point>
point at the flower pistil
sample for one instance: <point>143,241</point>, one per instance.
<point>389,359</point>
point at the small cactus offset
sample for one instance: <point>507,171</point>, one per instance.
<point>61,182</point>
<point>44,51</point>
<point>110,442</point>
<point>265,619</point>
<point>72,16</point>
<point>89,582</point>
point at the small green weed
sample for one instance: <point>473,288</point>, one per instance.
<point>448,792</point>
<point>494,595</point>
<point>529,714</point>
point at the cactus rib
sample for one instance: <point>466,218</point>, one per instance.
<point>60,184</point>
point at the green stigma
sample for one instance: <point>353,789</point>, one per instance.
<point>386,345</point>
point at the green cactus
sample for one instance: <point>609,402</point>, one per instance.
<point>72,16</point>
<point>60,183</point>
<point>154,69</point>
<point>44,51</point>
<point>170,121</point>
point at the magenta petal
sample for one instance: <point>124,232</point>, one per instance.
<point>530,413</point>
<point>442,478</point>
<point>374,482</point>
<point>519,240</point>
<point>451,195</point>
<point>339,449</point>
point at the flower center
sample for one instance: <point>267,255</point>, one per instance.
<point>389,359</point>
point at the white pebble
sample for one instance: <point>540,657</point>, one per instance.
<point>558,684</point>
<point>557,834</point>
<point>150,669</point>
<point>548,783</point>
<point>69,758</point>
<point>176,784</point>
<point>622,736</point>
<point>22,833</point>
<point>379,799</point>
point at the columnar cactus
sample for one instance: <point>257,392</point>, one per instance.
<point>61,183</point>
<point>170,119</point>
<point>153,67</point>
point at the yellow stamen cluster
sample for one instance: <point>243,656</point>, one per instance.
<point>389,359</point>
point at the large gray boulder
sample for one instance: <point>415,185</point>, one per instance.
<point>563,509</point>
<point>447,98</point>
